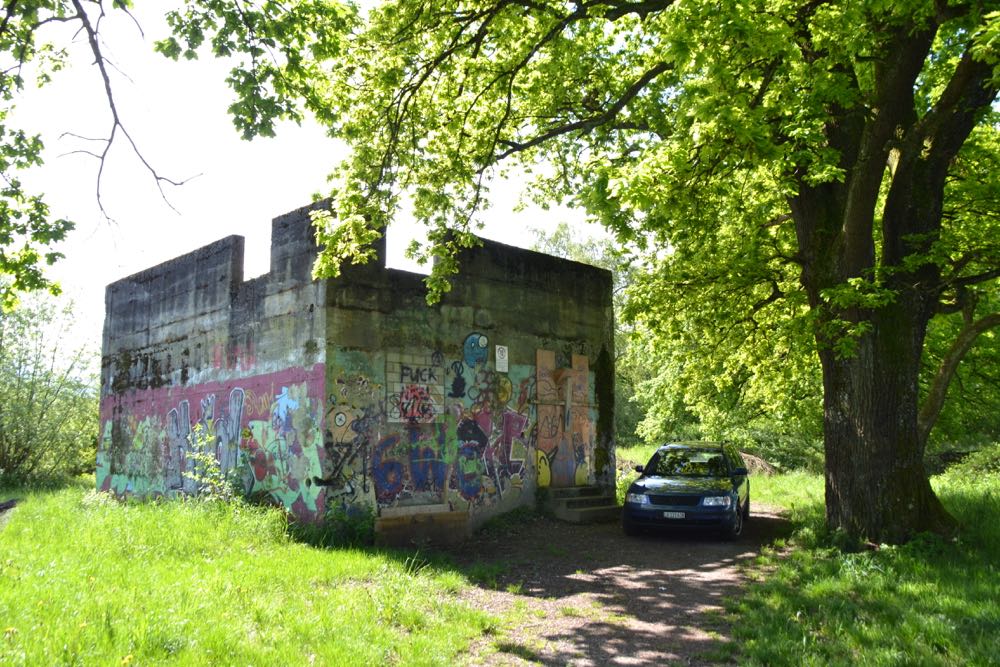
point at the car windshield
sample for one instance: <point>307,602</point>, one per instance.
<point>687,463</point>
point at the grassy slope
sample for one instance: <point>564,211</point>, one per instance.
<point>930,602</point>
<point>84,580</point>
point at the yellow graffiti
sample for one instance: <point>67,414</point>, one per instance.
<point>544,473</point>
<point>256,405</point>
<point>504,389</point>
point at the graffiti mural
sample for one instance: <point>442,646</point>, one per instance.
<point>267,430</point>
<point>353,421</point>
<point>453,433</point>
<point>565,421</point>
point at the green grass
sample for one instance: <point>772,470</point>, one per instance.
<point>800,494</point>
<point>930,602</point>
<point>85,580</point>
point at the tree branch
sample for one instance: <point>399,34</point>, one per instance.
<point>586,124</point>
<point>976,279</point>
<point>934,402</point>
<point>620,8</point>
<point>116,126</point>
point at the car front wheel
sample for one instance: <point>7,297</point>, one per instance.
<point>736,528</point>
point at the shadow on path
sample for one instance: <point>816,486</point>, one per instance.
<point>588,595</point>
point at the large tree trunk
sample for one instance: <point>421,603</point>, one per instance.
<point>876,484</point>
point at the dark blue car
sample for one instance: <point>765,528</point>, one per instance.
<point>692,484</point>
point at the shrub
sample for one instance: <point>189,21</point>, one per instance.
<point>983,462</point>
<point>48,396</point>
<point>212,484</point>
<point>351,526</point>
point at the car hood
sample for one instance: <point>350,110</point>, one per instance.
<point>663,485</point>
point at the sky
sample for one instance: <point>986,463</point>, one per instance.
<point>176,113</point>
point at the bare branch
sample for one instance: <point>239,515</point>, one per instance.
<point>121,6</point>
<point>116,126</point>
<point>81,151</point>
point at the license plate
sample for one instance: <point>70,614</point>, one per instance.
<point>673,515</point>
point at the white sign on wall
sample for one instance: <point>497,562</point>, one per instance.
<point>502,364</point>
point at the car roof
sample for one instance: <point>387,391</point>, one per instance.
<point>690,445</point>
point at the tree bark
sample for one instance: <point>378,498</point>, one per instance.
<point>876,485</point>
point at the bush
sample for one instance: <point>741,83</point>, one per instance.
<point>984,462</point>
<point>211,484</point>
<point>351,526</point>
<point>49,413</point>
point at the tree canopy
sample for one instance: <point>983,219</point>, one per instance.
<point>48,425</point>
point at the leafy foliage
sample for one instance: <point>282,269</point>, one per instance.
<point>48,424</point>
<point>211,483</point>
<point>985,461</point>
<point>280,48</point>
<point>26,228</point>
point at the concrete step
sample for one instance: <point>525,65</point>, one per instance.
<point>581,504</point>
<point>587,501</point>
<point>598,514</point>
<point>555,493</point>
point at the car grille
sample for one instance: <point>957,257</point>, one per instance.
<point>685,501</point>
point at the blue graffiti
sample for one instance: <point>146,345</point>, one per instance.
<point>475,349</point>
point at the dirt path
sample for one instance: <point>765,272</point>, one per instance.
<point>587,595</point>
<point>5,510</point>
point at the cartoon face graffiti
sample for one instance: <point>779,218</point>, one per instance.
<point>475,350</point>
<point>544,462</point>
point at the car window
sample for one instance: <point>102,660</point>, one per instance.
<point>733,454</point>
<point>688,463</point>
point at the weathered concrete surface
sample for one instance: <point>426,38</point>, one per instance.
<point>336,395</point>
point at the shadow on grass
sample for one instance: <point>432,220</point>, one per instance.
<point>931,601</point>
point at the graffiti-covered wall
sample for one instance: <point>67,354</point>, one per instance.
<point>352,392</point>
<point>191,348</point>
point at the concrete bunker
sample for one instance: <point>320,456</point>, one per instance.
<point>352,393</point>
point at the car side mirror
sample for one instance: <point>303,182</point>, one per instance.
<point>740,472</point>
<point>639,469</point>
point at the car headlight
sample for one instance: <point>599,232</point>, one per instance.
<point>715,501</point>
<point>637,498</point>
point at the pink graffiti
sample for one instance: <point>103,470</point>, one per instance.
<point>416,404</point>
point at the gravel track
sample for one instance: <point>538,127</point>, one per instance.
<point>588,595</point>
